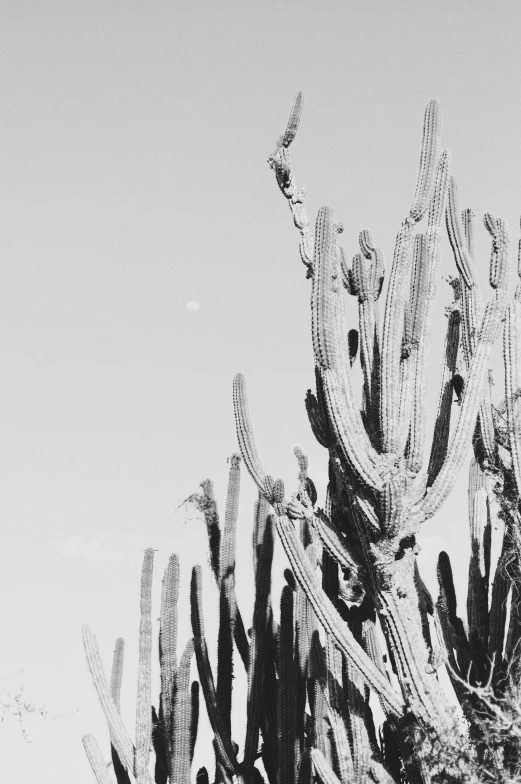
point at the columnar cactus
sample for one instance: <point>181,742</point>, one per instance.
<point>381,488</point>
<point>357,624</point>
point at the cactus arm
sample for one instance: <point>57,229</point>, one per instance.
<point>227,547</point>
<point>115,691</point>
<point>223,741</point>
<point>372,646</point>
<point>424,298</point>
<point>444,635</point>
<point>425,606</point>
<point>448,475</point>
<point>498,605</point>
<point>340,416</point>
<point>337,713</point>
<point>144,684</point>
<point>328,617</point>
<point>392,337</point>
<point>471,311</point>
<point>418,325</point>
<point>337,547</point>
<point>168,645</point>
<point>306,620</point>
<point>512,361</point>
<point>429,154</point>
<point>182,718</point>
<point>408,364</point>
<point>460,228</point>
<point>230,519</point>
<point>453,631</point>
<point>318,420</point>
<point>208,506</point>
<point>96,760</point>
<point>499,274</point>
<point>475,388</point>
<point>318,713</point>
<point>241,640</point>
<point>269,707</point>
<point>317,696</point>
<point>457,238</point>
<point>117,672</point>
<point>272,490</point>
<point>341,745</point>
<point>325,292</point>
<point>369,352</point>
<point>369,322</point>
<point>120,771</point>
<point>159,746</point>
<point>280,163</point>
<point>479,566</point>
<point>194,717</point>
<point>469,230</point>
<point>329,337</point>
<point>365,745</point>
<point>323,769</point>
<point>119,733</point>
<point>294,120</point>
<point>357,722</point>
<point>246,434</point>
<point>440,440</point>
<point>286,703</point>
<point>263,545</point>
<point>470,296</point>
<point>227,597</point>
<point>367,284</point>
<point>399,279</point>
<point>368,515</point>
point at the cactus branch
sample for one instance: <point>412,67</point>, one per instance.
<point>182,740</point>
<point>512,360</point>
<point>168,645</point>
<point>144,689</point>
<point>428,160</point>
<point>223,741</point>
<point>95,758</point>
<point>119,734</point>
<point>329,618</point>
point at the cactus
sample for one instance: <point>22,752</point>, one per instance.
<point>168,647</point>
<point>174,734</point>
<point>144,685</point>
<point>357,623</point>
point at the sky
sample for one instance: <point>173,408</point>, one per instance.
<point>146,256</point>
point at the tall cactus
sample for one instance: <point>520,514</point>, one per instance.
<point>383,490</point>
<point>358,627</point>
<point>174,734</point>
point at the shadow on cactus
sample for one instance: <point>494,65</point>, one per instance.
<point>346,687</point>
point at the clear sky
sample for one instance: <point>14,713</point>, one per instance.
<point>133,181</point>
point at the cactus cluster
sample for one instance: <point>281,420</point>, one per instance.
<point>358,627</point>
